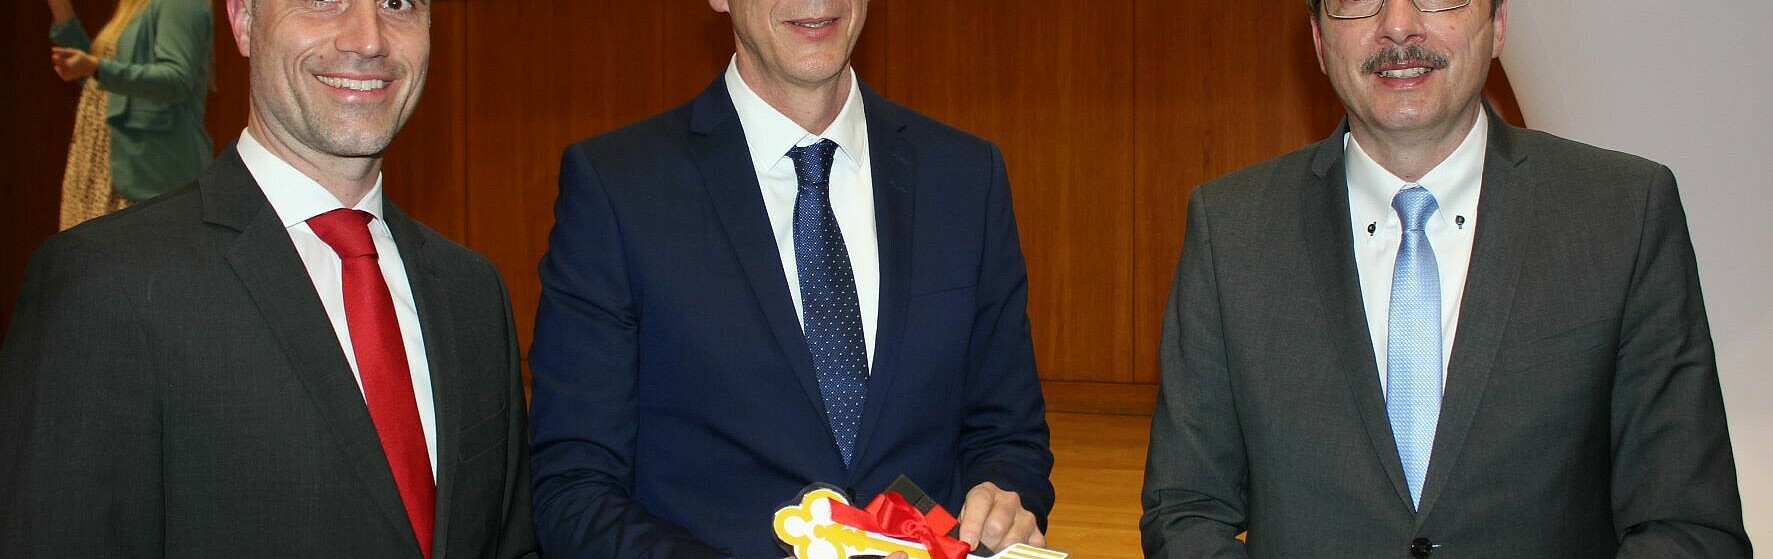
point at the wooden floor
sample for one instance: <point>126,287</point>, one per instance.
<point>1100,464</point>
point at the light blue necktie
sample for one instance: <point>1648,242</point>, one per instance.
<point>1413,383</point>
<point>831,317</point>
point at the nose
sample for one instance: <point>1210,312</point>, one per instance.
<point>1400,22</point>
<point>360,30</point>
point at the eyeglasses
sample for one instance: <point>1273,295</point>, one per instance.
<point>1356,9</point>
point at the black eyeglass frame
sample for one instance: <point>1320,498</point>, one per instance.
<point>1381,6</point>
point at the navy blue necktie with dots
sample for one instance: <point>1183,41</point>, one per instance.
<point>831,315</point>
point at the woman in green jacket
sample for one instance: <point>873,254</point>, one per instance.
<point>138,132</point>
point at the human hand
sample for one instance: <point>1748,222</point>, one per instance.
<point>996,518</point>
<point>72,64</point>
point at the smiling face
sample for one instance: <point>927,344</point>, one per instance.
<point>333,77</point>
<point>794,44</point>
<point>1404,73</point>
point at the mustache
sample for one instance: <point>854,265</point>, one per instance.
<point>1398,55</point>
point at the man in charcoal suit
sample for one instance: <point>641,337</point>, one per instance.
<point>1436,335</point>
<point>275,362</point>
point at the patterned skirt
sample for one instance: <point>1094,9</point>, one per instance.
<point>86,185</point>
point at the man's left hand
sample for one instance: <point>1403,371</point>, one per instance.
<point>996,518</point>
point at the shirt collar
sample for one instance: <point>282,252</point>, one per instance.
<point>295,196</point>
<point>770,134</point>
<point>1455,182</point>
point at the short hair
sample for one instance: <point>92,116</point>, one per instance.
<point>1317,7</point>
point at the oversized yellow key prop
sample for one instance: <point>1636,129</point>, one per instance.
<point>810,532</point>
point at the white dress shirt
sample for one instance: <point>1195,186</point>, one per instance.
<point>770,134</point>
<point>296,197</point>
<point>1455,183</point>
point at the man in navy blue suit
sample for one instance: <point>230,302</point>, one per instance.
<point>786,280</point>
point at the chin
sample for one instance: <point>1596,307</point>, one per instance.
<point>367,144</point>
<point>1401,116</point>
<point>819,67</point>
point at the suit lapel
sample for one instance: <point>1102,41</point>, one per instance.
<point>893,160</point>
<point>431,294</point>
<point>717,144</point>
<point>268,266</point>
<point>1501,235</point>
<point>1323,204</point>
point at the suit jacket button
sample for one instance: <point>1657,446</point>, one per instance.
<point>1421,548</point>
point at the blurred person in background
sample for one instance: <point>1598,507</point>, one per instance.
<point>138,131</point>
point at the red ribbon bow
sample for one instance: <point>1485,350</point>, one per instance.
<point>890,515</point>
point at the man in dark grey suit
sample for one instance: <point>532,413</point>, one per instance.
<point>274,362</point>
<point>1433,334</point>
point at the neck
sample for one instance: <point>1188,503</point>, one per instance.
<point>812,106</point>
<point>348,178</point>
<point>1410,154</point>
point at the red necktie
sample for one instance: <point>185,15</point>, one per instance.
<point>381,364</point>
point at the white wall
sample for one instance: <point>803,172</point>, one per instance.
<point>1688,84</point>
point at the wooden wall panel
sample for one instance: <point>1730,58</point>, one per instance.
<point>230,89</point>
<point>544,74</point>
<point>1108,113</point>
<point>871,58</point>
<point>1051,83</point>
<point>39,121</point>
<point>425,170</point>
<point>1501,95</point>
<point>1218,89</point>
<point>694,47</point>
